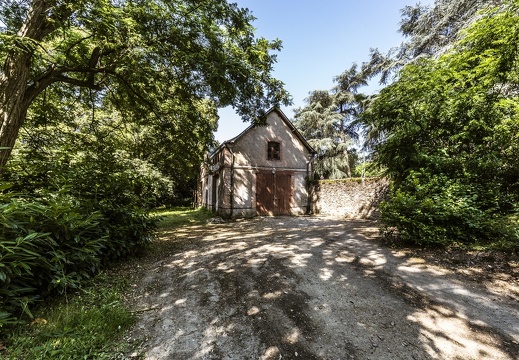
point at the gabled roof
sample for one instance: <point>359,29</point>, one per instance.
<point>285,120</point>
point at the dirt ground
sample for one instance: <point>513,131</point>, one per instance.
<point>317,288</point>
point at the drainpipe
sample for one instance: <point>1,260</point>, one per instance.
<point>309,177</point>
<point>231,195</point>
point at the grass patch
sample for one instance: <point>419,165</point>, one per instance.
<point>86,325</point>
<point>181,216</point>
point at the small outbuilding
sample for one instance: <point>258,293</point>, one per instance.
<point>262,171</point>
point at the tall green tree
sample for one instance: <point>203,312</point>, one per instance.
<point>136,55</point>
<point>446,131</point>
<point>320,123</point>
<point>430,30</point>
<point>328,122</point>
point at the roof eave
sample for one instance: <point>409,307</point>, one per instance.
<point>285,120</point>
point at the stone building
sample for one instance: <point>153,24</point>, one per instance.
<point>262,171</point>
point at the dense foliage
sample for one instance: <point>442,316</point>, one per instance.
<point>53,241</point>
<point>87,323</point>
<point>146,58</point>
<point>106,110</point>
<point>328,123</point>
<point>430,30</point>
<point>447,132</point>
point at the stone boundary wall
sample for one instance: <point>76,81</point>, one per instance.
<point>354,198</point>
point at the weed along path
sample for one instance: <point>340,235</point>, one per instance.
<point>312,288</point>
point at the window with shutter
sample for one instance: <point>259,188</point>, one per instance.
<point>274,151</point>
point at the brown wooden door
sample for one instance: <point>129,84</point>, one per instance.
<point>273,193</point>
<point>265,193</point>
<point>283,194</point>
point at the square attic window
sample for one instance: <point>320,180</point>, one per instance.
<point>274,150</point>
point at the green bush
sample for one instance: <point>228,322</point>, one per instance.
<point>45,245</point>
<point>104,176</point>
<point>368,169</point>
<point>71,209</point>
<point>53,241</point>
<point>432,209</point>
<point>446,133</point>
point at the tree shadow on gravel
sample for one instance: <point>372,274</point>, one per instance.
<point>309,288</point>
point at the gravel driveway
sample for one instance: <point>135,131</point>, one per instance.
<point>312,288</point>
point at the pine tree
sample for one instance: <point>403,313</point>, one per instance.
<point>430,31</point>
<point>328,122</point>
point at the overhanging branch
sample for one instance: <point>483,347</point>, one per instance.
<point>81,83</point>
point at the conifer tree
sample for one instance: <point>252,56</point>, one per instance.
<point>328,122</point>
<point>429,31</point>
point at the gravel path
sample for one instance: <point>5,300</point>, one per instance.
<point>312,288</point>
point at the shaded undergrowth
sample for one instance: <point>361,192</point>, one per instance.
<point>87,324</point>
<point>90,322</point>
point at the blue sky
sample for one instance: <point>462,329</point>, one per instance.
<point>321,39</point>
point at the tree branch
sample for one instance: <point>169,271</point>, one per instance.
<point>77,43</point>
<point>135,92</point>
<point>54,74</point>
<point>82,83</point>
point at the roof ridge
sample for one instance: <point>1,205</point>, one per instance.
<point>285,120</point>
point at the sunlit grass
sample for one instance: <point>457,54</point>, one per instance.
<point>180,216</point>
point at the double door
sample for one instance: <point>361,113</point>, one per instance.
<point>273,193</point>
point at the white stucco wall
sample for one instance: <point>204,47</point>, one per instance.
<point>250,157</point>
<point>251,149</point>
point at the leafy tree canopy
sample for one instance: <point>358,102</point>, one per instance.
<point>429,31</point>
<point>446,131</point>
<point>139,56</point>
<point>112,104</point>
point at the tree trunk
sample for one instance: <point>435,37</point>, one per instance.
<point>348,169</point>
<point>15,93</point>
<point>14,102</point>
<point>12,115</point>
<point>13,109</point>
